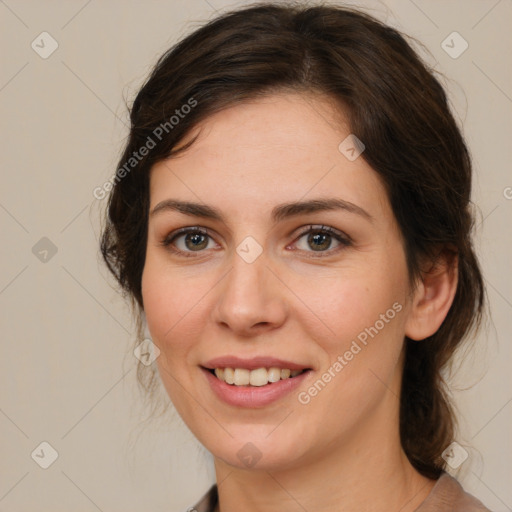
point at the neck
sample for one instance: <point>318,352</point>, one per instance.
<point>369,472</point>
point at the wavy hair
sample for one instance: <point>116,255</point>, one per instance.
<point>394,103</point>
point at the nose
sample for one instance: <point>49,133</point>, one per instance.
<point>251,299</point>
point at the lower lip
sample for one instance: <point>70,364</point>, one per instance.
<point>253,396</point>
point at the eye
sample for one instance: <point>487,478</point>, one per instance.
<point>320,238</point>
<point>186,241</point>
<point>193,239</point>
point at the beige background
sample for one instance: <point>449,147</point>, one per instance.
<point>66,368</point>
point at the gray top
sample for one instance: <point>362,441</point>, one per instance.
<point>447,495</point>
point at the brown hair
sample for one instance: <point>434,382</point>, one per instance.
<point>394,104</point>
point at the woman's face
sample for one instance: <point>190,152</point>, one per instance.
<point>254,286</point>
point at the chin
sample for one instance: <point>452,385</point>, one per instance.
<point>259,453</point>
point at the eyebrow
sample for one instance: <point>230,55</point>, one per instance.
<point>279,212</point>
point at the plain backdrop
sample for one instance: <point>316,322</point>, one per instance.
<point>67,370</point>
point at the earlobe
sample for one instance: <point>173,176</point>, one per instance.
<point>433,296</point>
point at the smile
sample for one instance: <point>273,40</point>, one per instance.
<point>258,377</point>
<point>266,387</point>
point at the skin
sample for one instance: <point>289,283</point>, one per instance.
<point>341,451</point>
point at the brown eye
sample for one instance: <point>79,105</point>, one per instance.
<point>320,239</point>
<point>187,240</point>
<point>195,241</point>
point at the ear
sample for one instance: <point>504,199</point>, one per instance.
<point>433,296</point>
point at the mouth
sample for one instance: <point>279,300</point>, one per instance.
<point>254,382</point>
<point>258,377</point>
<point>256,387</point>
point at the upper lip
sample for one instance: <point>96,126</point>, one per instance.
<point>253,363</point>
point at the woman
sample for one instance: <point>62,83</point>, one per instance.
<point>291,217</point>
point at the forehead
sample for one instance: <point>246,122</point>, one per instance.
<point>284,147</point>
<point>284,124</point>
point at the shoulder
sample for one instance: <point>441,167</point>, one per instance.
<point>447,494</point>
<point>207,503</point>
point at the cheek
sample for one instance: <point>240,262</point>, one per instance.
<point>346,303</point>
<point>163,304</point>
<point>174,306</point>
<point>166,315</point>
<point>365,314</point>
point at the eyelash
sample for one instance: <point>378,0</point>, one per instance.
<point>344,240</point>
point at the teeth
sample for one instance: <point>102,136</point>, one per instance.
<point>229,375</point>
<point>274,374</point>
<point>242,377</point>
<point>258,377</point>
